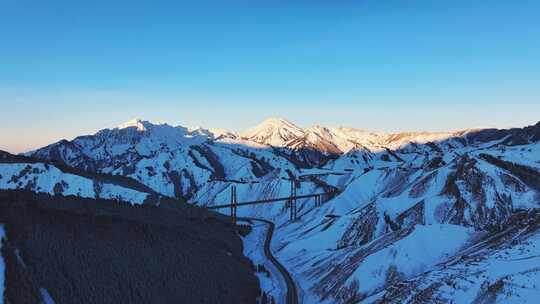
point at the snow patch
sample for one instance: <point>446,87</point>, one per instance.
<point>47,299</point>
<point>411,255</point>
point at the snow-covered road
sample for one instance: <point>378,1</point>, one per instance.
<point>278,284</point>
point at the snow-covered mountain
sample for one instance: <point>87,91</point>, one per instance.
<point>393,224</point>
<point>47,178</point>
<point>18,172</point>
<point>279,132</point>
<point>274,132</point>
<point>416,212</point>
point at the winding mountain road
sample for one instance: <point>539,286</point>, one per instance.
<point>292,293</point>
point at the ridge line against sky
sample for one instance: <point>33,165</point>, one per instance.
<point>71,68</point>
<point>119,125</point>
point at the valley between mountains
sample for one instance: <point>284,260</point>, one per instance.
<point>418,217</point>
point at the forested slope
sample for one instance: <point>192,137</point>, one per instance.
<point>76,250</point>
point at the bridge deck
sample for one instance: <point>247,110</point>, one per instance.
<point>266,201</point>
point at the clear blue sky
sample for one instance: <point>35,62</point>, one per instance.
<point>73,67</point>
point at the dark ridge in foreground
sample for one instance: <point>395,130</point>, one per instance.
<point>96,251</point>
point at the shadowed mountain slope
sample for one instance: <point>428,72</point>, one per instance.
<point>76,250</point>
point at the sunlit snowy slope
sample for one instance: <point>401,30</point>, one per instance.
<point>419,217</point>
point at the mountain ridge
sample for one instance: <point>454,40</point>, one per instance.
<point>268,133</point>
<point>395,191</point>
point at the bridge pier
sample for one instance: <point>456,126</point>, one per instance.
<point>234,204</point>
<point>293,212</point>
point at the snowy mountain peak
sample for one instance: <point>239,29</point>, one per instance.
<point>278,121</point>
<point>274,132</point>
<point>214,133</point>
<point>135,123</point>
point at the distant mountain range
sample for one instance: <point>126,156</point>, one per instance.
<point>420,217</point>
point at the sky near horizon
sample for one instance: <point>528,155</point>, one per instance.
<point>70,68</point>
